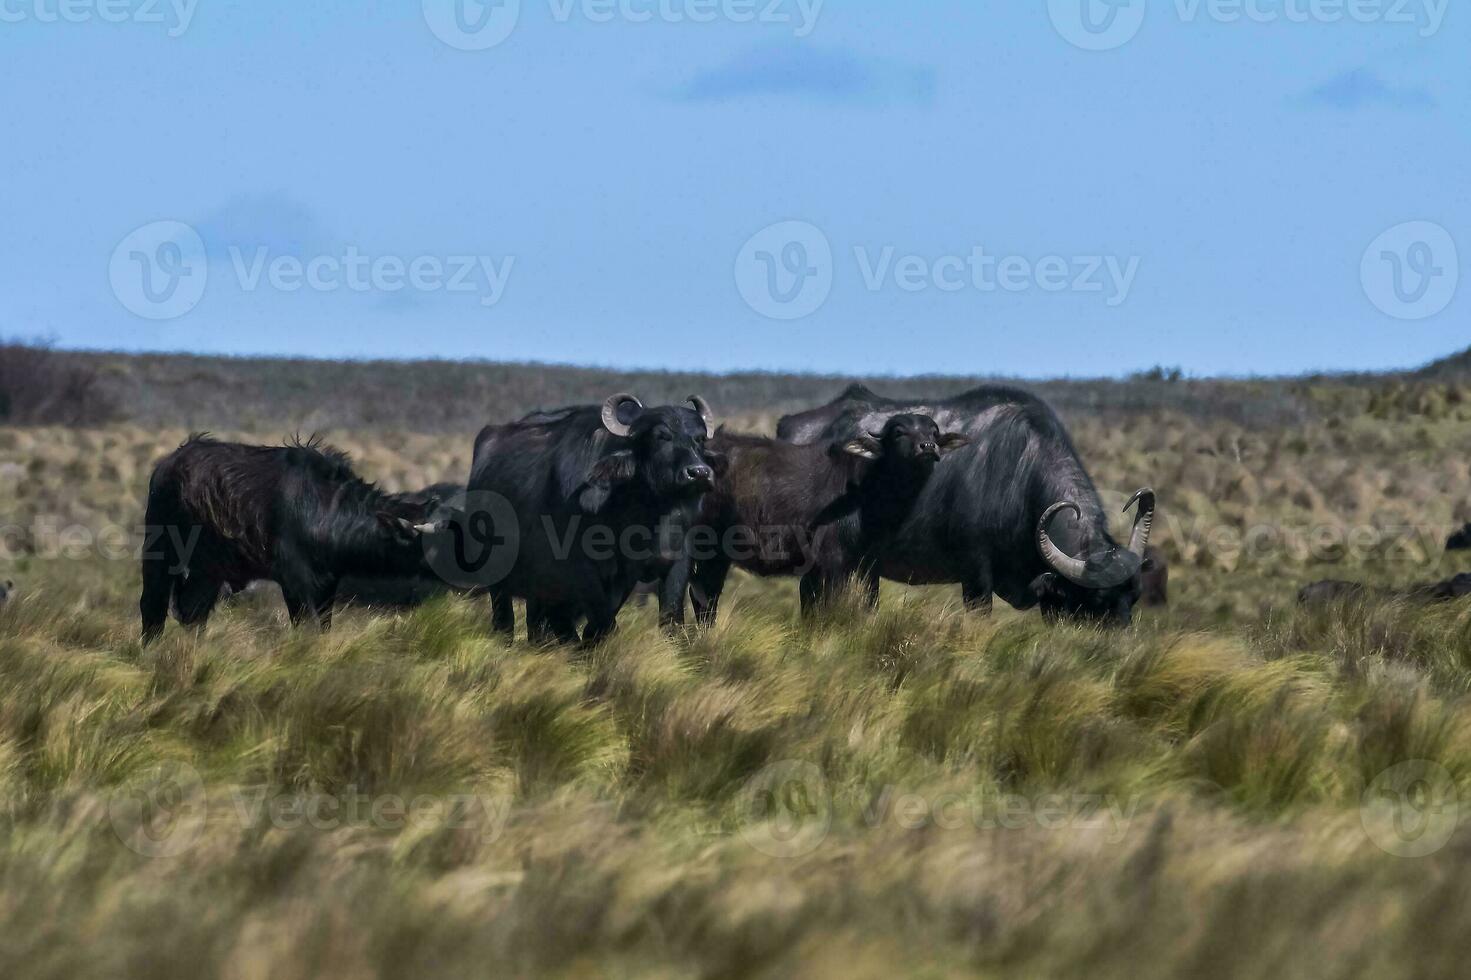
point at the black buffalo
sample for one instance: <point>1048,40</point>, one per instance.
<point>1333,590</point>
<point>595,493</point>
<point>223,514</point>
<point>1155,579</point>
<point>7,589</point>
<point>813,510</point>
<point>443,503</point>
<point>1014,514</point>
<point>1460,541</point>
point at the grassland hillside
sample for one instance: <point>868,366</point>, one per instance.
<point>1233,787</point>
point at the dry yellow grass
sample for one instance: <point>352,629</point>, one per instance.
<point>916,791</point>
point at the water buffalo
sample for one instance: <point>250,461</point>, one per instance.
<point>444,501</point>
<point>815,510</point>
<point>1155,579</point>
<point>226,514</point>
<point>1333,590</point>
<point>592,492</point>
<point>1014,514</point>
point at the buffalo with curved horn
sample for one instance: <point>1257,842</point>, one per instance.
<point>596,499</point>
<point>1013,514</point>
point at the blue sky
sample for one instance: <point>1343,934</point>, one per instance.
<point>1213,193</point>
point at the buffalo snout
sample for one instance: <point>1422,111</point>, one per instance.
<point>698,475</point>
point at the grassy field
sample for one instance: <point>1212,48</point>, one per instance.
<point>1233,787</point>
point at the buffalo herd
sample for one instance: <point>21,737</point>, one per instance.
<point>575,510</point>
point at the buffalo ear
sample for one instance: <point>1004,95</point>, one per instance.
<point>612,469</point>
<point>719,462</point>
<point>952,441</point>
<point>864,447</point>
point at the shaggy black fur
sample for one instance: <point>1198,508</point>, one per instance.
<point>227,514</point>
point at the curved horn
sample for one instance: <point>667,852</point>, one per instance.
<point>1075,570</point>
<point>1103,571</point>
<point>1143,521</point>
<point>703,407</point>
<point>610,413</point>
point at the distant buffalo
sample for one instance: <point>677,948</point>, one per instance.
<point>1154,579</point>
<point>223,514</point>
<point>813,510</point>
<point>7,589</point>
<point>1333,590</point>
<point>1013,514</point>
<point>594,491</point>
<point>1460,541</point>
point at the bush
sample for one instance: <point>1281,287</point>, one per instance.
<point>38,387</point>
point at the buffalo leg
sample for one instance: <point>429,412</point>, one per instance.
<point>162,562</point>
<point>158,587</point>
<point>550,624</point>
<point>813,591</point>
<point>706,584</point>
<point>503,615</point>
<point>871,587</point>
<point>672,588</point>
<point>977,591</point>
<point>299,602</point>
<point>195,599</point>
<point>322,602</point>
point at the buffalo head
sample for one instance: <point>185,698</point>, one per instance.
<point>662,450</point>
<point>910,439</point>
<point>1103,586</point>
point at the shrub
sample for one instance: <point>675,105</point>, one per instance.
<point>39,387</point>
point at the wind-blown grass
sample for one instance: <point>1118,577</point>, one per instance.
<point>916,790</point>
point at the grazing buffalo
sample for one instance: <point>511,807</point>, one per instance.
<point>814,510</point>
<point>1013,514</point>
<point>225,514</point>
<point>595,492</point>
<point>1460,541</point>
<point>1333,590</point>
<point>444,501</point>
<point>7,589</point>
<point>1155,579</point>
